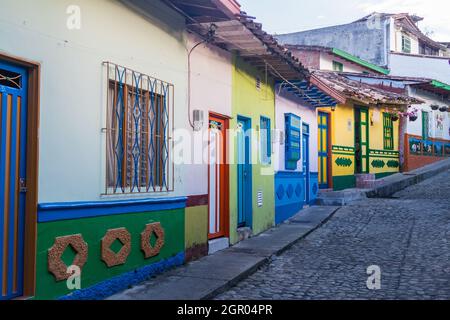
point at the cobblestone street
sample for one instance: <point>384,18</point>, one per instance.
<point>407,236</point>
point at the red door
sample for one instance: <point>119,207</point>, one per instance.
<point>218,179</point>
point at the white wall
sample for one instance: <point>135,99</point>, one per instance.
<point>288,103</point>
<point>72,147</point>
<point>419,66</point>
<point>211,91</point>
<point>326,63</point>
<point>415,127</point>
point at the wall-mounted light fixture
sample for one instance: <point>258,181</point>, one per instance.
<point>333,108</point>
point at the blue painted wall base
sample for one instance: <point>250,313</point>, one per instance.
<point>290,193</point>
<point>120,283</point>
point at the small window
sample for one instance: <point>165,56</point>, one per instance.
<point>10,79</point>
<point>406,44</point>
<point>139,113</point>
<point>337,66</point>
<point>265,141</point>
<point>388,132</point>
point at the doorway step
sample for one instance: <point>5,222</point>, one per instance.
<point>217,245</point>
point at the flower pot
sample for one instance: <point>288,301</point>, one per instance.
<point>434,107</point>
<point>443,109</point>
<point>412,118</point>
<point>395,117</point>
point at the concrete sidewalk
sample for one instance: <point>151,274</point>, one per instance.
<point>212,275</point>
<point>390,185</point>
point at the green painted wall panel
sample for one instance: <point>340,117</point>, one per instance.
<point>343,182</point>
<point>93,230</point>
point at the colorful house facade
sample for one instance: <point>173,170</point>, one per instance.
<point>91,127</point>
<point>425,127</point>
<point>296,164</point>
<point>358,140</point>
<point>90,124</point>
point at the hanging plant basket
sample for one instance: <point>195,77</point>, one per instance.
<point>443,109</point>
<point>395,117</point>
<point>434,107</point>
<point>413,118</point>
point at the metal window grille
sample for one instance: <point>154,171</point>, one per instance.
<point>139,130</point>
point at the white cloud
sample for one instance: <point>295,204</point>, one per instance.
<point>435,13</point>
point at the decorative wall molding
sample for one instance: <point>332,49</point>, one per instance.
<point>55,264</point>
<point>111,258</point>
<point>152,229</point>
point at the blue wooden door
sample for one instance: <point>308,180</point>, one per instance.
<point>323,144</point>
<point>13,124</point>
<point>244,177</point>
<point>306,167</point>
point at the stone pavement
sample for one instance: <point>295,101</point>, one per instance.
<point>407,236</point>
<point>209,276</point>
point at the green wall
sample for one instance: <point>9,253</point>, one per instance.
<point>252,103</point>
<point>93,230</point>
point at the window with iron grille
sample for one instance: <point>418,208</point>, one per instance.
<point>388,132</point>
<point>139,129</point>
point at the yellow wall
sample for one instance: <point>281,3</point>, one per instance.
<point>378,155</point>
<point>196,226</point>
<point>252,103</point>
<point>381,162</point>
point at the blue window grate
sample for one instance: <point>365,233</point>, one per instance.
<point>139,132</point>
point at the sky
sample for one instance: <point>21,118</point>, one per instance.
<point>285,16</point>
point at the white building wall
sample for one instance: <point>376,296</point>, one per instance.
<point>326,63</point>
<point>439,122</point>
<point>288,103</point>
<point>211,91</point>
<point>72,115</point>
<point>437,68</point>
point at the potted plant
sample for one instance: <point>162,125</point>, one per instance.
<point>443,109</point>
<point>411,113</point>
<point>395,116</point>
<point>434,107</point>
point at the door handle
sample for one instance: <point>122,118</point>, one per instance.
<point>23,185</point>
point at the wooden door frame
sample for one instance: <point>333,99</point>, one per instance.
<point>307,155</point>
<point>249,223</point>
<point>329,148</point>
<point>359,108</point>
<point>32,160</point>
<point>225,170</point>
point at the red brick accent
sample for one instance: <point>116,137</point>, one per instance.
<point>194,201</point>
<point>415,161</point>
<point>196,252</point>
